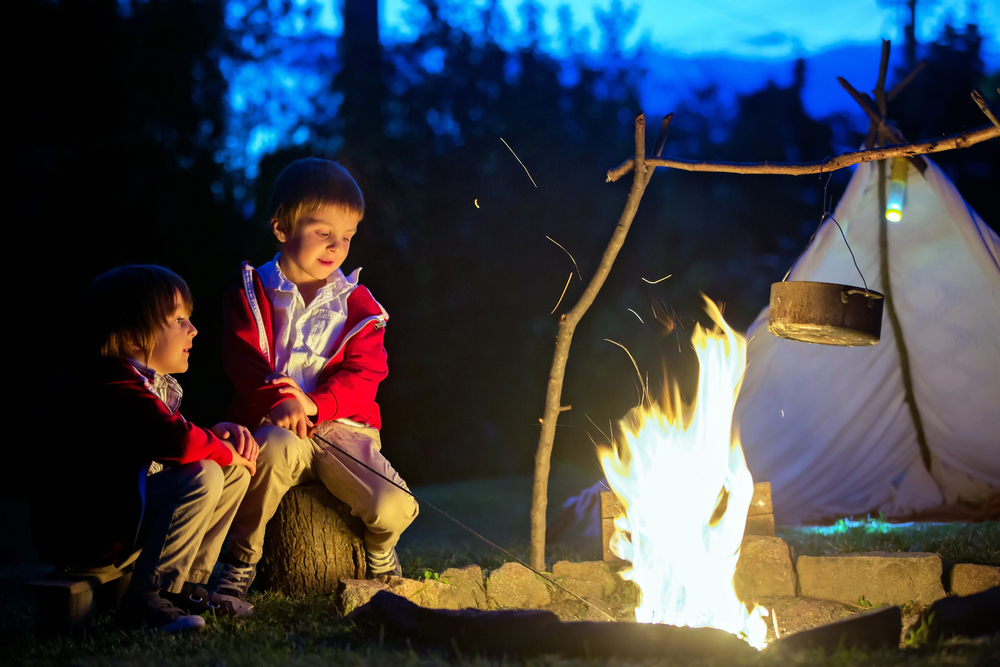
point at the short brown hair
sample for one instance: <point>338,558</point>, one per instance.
<point>310,184</point>
<point>126,306</point>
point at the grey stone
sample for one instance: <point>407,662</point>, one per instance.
<point>592,580</point>
<point>764,569</point>
<point>968,579</point>
<point>877,577</point>
<point>470,581</point>
<point>514,586</point>
<point>352,593</point>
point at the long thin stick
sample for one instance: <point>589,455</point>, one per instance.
<point>961,140</point>
<point>462,525</point>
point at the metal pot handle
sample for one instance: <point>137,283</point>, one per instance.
<point>871,296</point>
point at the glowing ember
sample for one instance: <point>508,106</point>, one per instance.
<point>686,489</point>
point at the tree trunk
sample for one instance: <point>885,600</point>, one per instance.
<point>312,542</point>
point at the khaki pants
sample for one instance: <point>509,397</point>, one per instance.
<point>186,515</point>
<point>285,461</point>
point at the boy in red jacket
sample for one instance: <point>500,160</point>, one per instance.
<point>147,478</point>
<point>303,346</point>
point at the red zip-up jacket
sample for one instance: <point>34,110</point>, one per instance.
<point>347,385</point>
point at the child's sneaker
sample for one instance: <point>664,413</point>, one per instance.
<point>230,592</point>
<point>153,612</point>
<point>382,564</point>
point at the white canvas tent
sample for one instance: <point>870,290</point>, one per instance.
<point>828,426</point>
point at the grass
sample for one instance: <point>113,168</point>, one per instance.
<point>977,543</point>
<point>308,631</point>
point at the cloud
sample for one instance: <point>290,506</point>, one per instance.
<point>769,39</point>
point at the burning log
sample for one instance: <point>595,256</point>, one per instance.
<point>970,616</point>
<point>876,629</point>
<point>312,542</point>
<point>537,632</point>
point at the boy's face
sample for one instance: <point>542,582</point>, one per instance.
<point>173,341</point>
<point>318,246</point>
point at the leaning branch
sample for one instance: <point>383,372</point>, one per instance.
<point>875,115</point>
<point>564,337</point>
<point>962,140</point>
<point>978,98</point>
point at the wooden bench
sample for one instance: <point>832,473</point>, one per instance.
<point>66,601</point>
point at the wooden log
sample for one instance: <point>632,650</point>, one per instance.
<point>311,543</point>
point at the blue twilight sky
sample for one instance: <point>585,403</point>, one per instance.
<point>739,45</point>
<point>757,28</point>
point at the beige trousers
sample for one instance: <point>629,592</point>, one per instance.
<point>186,515</point>
<point>285,461</point>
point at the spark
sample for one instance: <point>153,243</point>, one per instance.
<point>476,202</point>
<point>519,160</point>
<point>642,397</point>
<point>636,314</point>
<point>653,282</point>
<point>570,256</point>
<point>563,292</point>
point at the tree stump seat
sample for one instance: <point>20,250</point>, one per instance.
<point>311,543</point>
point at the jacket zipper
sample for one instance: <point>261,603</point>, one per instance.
<point>255,309</point>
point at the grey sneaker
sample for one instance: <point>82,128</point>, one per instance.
<point>229,595</point>
<point>193,599</point>
<point>153,612</point>
<point>382,563</point>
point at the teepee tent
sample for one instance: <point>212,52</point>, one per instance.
<point>829,427</point>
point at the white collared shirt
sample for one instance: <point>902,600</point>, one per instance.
<point>304,336</point>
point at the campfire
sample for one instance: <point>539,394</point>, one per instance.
<point>683,483</point>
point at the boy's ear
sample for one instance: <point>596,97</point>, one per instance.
<point>276,230</point>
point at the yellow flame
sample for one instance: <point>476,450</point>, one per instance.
<point>683,482</point>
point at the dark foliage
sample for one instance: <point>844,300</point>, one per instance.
<point>119,117</point>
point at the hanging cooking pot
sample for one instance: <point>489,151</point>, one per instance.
<point>825,313</point>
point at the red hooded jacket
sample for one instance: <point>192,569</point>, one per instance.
<point>347,385</point>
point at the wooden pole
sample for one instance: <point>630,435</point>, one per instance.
<point>961,140</point>
<point>564,337</point>
<point>909,397</point>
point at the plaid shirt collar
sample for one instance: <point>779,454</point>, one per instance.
<point>164,387</point>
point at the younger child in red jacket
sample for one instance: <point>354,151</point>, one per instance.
<point>303,346</point>
<point>139,477</point>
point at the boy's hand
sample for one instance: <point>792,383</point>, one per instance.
<point>241,461</point>
<point>290,387</point>
<point>240,437</point>
<point>291,415</point>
